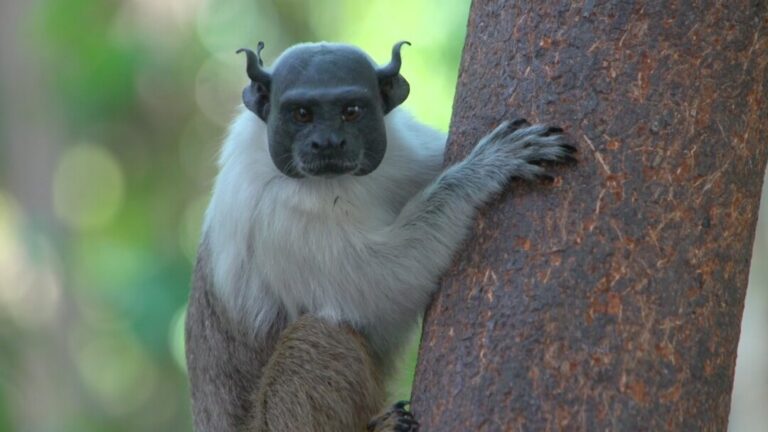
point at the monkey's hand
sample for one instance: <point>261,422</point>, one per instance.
<point>516,150</point>
<point>396,419</point>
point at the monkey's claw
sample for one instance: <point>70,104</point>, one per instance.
<point>570,148</point>
<point>552,131</point>
<point>518,123</point>
<point>395,419</point>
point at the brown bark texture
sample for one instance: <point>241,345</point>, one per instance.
<point>610,299</point>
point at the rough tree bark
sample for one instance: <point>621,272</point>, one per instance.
<point>612,298</point>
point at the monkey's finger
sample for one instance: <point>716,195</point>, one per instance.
<point>519,122</point>
<point>553,130</point>
<point>546,178</point>
<point>506,128</point>
<point>570,148</point>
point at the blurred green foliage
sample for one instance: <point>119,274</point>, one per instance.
<point>112,114</point>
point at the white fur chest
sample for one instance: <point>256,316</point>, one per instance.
<point>306,243</point>
<point>295,245</point>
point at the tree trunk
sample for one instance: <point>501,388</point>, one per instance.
<point>612,298</point>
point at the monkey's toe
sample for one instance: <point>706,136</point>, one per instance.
<point>407,425</point>
<point>396,419</point>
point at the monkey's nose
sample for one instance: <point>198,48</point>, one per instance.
<point>330,144</point>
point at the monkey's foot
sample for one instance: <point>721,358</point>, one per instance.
<point>395,419</point>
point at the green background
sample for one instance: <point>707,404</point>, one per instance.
<point>113,114</point>
<point>111,117</point>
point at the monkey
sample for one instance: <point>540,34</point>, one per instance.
<point>330,222</point>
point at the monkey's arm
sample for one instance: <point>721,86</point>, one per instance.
<point>224,365</point>
<point>408,257</point>
<point>321,377</point>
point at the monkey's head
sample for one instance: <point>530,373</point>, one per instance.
<point>324,105</point>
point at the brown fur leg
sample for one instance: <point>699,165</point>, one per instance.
<point>320,378</point>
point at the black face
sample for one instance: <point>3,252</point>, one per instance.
<point>325,112</point>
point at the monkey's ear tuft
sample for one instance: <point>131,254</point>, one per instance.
<point>394,88</point>
<point>256,95</point>
<point>254,65</point>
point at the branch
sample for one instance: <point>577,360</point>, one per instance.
<point>613,297</point>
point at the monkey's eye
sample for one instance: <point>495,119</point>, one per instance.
<point>302,115</point>
<point>351,113</point>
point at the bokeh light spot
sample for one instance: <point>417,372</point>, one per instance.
<point>30,285</point>
<point>190,228</point>
<point>217,88</point>
<point>224,27</point>
<point>176,337</point>
<point>11,255</point>
<point>115,368</point>
<point>88,187</point>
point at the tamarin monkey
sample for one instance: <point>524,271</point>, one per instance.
<point>330,222</point>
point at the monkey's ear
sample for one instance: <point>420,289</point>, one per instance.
<point>394,91</point>
<point>256,95</point>
<point>394,88</point>
<point>256,99</point>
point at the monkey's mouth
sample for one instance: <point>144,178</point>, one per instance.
<point>328,167</point>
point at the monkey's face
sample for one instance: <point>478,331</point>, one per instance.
<point>324,107</point>
<point>327,127</point>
